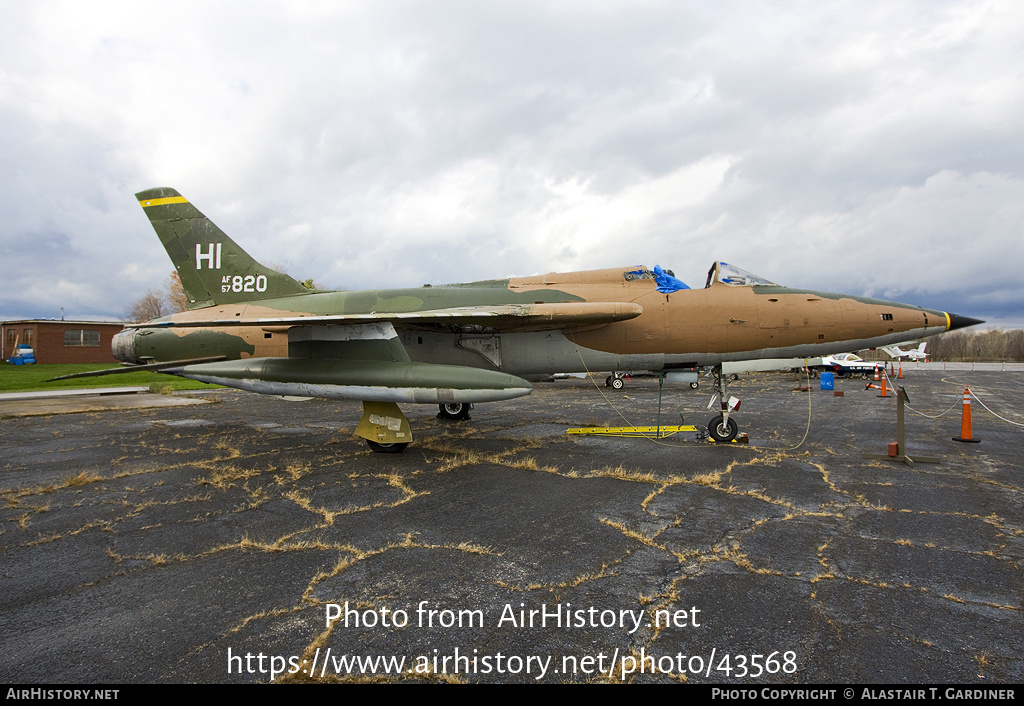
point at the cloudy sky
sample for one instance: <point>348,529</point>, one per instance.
<point>869,148</point>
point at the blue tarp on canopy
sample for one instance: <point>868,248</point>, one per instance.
<point>666,282</point>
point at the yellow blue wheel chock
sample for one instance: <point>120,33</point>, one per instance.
<point>654,432</point>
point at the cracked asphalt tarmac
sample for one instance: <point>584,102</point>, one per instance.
<point>209,542</point>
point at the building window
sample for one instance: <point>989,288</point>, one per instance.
<point>27,337</point>
<point>79,338</point>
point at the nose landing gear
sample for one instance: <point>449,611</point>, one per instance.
<point>723,428</point>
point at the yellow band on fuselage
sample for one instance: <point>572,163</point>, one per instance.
<point>163,202</point>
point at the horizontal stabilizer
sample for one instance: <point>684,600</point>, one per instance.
<point>151,367</point>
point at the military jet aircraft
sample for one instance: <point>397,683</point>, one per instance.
<point>250,327</point>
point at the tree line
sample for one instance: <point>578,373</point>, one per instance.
<point>158,302</point>
<point>994,345</point>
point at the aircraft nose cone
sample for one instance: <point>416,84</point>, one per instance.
<point>956,321</point>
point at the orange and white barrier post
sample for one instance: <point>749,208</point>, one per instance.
<point>966,432</point>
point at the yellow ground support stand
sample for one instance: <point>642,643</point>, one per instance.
<point>384,423</point>
<point>641,432</point>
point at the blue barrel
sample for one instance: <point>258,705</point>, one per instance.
<point>828,381</point>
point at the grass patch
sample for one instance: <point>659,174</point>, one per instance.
<point>83,478</point>
<point>32,378</point>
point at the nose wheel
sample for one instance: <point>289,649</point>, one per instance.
<point>723,428</point>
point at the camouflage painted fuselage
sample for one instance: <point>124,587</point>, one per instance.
<point>679,329</point>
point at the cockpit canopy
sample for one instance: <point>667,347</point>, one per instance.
<point>720,272</point>
<point>735,277</point>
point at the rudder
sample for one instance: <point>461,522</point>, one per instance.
<point>212,267</point>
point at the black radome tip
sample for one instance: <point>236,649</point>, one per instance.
<point>956,321</point>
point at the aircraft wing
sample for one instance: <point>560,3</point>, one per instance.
<point>505,317</point>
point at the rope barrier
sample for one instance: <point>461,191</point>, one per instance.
<point>1008,421</point>
<point>590,377</point>
<point>958,403</point>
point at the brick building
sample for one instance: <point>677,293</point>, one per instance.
<point>61,341</point>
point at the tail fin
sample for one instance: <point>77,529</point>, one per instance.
<point>212,268</point>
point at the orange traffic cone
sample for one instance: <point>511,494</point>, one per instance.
<point>965,421</point>
<point>901,372</point>
<point>876,373</point>
<point>885,388</point>
<point>869,386</point>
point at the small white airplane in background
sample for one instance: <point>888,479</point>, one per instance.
<point>850,364</point>
<point>914,353</point>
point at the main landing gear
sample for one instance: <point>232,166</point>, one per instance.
<point>454,410</point>
<point>723,428</point>
<point>616,381</point>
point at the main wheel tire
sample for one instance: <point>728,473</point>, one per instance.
<point>721,431</point>
<point>608,381</point>
<point>453,410</point>
<point>618,383</point>
<point>694,385</point>
<point>380,448</point>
